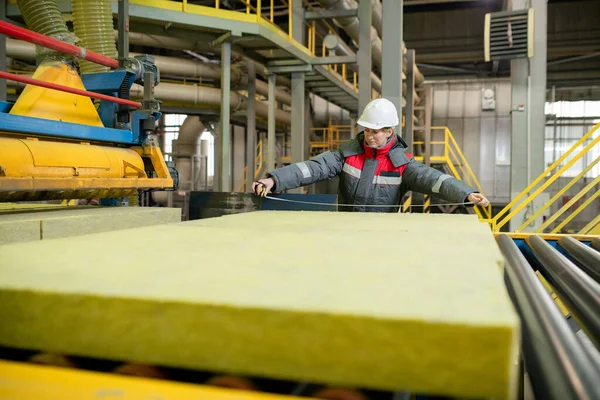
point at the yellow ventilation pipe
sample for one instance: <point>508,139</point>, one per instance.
<point>93,24</point>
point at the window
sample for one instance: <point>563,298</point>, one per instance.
<point>573,120</point>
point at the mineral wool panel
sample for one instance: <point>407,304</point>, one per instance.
<point>75,221</point>
<point>399,309</point>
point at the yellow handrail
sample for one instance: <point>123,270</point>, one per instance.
<point>258,160</point>
<point>549,170</point>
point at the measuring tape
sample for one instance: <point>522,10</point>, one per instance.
<point>360,205</point>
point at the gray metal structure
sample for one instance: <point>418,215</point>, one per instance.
<point>224,127</point>
<point>271,125</point>
<point>409,109</point>
<point>391,74</point>
<point>365,12</point>
<point>251,125</point>
<point>528,89</point>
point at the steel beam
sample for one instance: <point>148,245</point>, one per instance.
<point>558,366</point>
<point>290,69</point>
<point>225,129</point>
<point>364,57</point>
<point>334,60</point>
<point>328,14</point>
<point>409,111</point>
<point>298,24</point>
<point>391,82</point>
<point>123,29</point>
<point>251,125</point>
<point>428,116</point>
<point>271,124</point>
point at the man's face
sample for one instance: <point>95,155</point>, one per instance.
<point>376,138</point>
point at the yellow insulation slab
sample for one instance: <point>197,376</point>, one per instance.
<point>327,299</point>
<point>26,226</point>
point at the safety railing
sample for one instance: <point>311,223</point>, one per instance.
<point>587,145</point>
<point>258,162</point>
<point>458,165</point>
<point>266,10</point>
<point>331,135</point>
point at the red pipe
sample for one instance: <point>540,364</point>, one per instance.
<point>55,44</point>
<point>30,81</point>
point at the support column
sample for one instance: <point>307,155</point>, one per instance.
<point>528,128</point>
<point>364,54</point>
<point>298,118</point>
<point>224,127</point>
<point>298,92</point>
<point>123,29</point>
<point>271,125</point>
<point>391,74</point>
<point>2,52</point>
<point>251,125</point>
<point>409,110</point>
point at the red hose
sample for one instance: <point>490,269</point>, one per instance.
<point>57,45</point>
<point>30,81</point>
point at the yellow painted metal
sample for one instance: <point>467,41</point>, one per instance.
<point>32,167</point>
<point>592,228</point>
<point>39,102</point>
<point>22,381</point>
<point>568,205</point>
<point>555,164</point>
<point>196,9</point>
<point>547,183</point>
<point>577,211</point>
<point>290,18</point>
<point>407,203</point>
<point>558,194</point>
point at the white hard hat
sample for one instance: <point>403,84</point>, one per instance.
<point>378,114</point>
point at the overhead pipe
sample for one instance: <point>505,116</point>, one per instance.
<point>196,95</point>
<point>175,66</point>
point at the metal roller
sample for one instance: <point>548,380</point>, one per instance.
<point>578,291</point>
<point>596,244</point>
<point>587,258</point>
<point>557,364</point>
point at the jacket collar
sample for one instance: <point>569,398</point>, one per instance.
<point>396,152</point>
<point>380,152</point>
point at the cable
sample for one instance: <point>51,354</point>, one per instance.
<point>362,205</point>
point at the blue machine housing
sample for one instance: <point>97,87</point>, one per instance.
<point>109,83</point>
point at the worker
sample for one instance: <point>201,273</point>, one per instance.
<point>374,168</point>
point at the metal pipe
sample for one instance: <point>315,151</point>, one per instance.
<point>174,66</point>
<point>596,244</point>
<point>578,291</point>
<point>587,258</point>
<point>48,85</point>
<point>56,45</point>
<point>557,363</point>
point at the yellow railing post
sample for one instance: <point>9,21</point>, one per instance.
<point>314,38</point>
<point>271,11</point>
<point>576,212</point>
<point>290,17</point>
<point>586,229</point>
<point>548,181</point>
<point>544,174</point>
<point>258,8</point>
<point>184,6</point>
<point>217,4</point>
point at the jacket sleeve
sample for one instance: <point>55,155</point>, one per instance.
<point>324,166</point>
<point>421,178</point>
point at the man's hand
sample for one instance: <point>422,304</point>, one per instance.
<point>478,199</point>
<point>263,187</point>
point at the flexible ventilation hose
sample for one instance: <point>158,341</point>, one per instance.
<point>93,23</point>
<point>43,16</point>
<point>134,199</point>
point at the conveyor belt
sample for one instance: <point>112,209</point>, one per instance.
<point>586,258</point>
<point>580,293</point>
<point>558,366</point>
